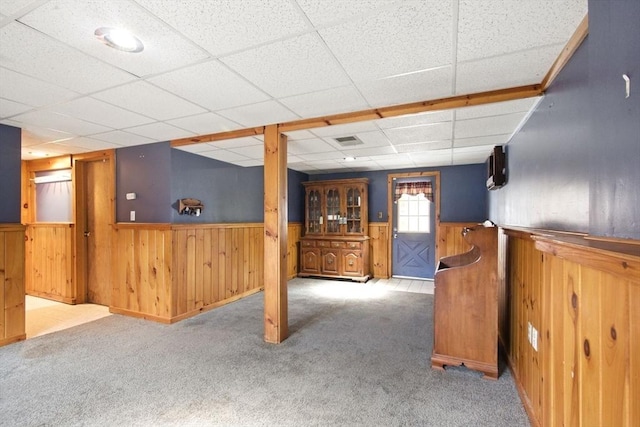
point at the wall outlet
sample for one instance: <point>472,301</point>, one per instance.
<point>132,216</point>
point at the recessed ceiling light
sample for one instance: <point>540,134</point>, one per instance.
<point>119,39</point>
<point>349,159</point>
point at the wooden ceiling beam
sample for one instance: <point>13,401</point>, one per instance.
<point>572,45</point>
<point>377,113</point>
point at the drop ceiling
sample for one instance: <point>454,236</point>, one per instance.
<point>212,66</point>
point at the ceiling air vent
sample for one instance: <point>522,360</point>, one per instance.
<point>348,141</point>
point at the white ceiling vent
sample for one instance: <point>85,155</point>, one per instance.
<point>348,141</point>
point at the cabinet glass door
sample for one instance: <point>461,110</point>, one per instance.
<point>333,211</point>
<point>314,212</point>
<point>354,211</point>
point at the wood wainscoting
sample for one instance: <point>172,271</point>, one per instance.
<point>450,239</point>
<point>12,269</point>
<point>167,272</point>
<point>49,262</point>
<point>450,242</point>
<point>582,298</point>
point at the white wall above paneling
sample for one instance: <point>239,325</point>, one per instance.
<point>212,66</point>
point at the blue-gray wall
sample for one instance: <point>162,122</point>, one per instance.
<point>229,193</point>
<point>10,145</point>
<point>463,195</point>
<point>574,165</point>
<point>160,175</point>
<point>146,171</point>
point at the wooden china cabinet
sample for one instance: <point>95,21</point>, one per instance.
<point>335,242</point>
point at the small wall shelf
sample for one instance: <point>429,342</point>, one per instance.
<point>190,206</point>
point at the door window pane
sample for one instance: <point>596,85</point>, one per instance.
<point>413,214</point>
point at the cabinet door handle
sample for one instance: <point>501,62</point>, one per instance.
<point>350,263</point>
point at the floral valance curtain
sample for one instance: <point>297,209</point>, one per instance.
<point>414,188</point>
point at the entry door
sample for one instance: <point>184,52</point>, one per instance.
<point>98,232</point>
<point>413,245</point>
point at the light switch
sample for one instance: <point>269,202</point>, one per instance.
<point>132,215</point>
<point>131,196</point>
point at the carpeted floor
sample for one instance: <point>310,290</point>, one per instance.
<point>356,356</point>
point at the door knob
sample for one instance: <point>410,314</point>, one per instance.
<point>395,235</point>
<point>87,233</point>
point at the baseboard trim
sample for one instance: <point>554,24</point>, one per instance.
<point>11,340</point>
<point>523,395</point>
<point>178,318</point>
<point>52,297</point>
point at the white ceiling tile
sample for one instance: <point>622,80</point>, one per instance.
<point>150,101</point>
<point>493,125</point>
<point>497,108</point>
<point>10,108</point>
<point>14,6</point>
<point>122,138</point>
<point>164,49</point>
<point>495,27</point>
<point>331,11</point>
<point>416,119</point>
<point>432,158</point>
<point>197,148</point>
<point>224,156</point>
<point>344,130</point>
<point>426,85</point>
<point>263,113</point>
<point>211,85</point>
<point>394,161</point>
<point>230,25</point>
<point>470,155</point>
<point>414,36</point>
<point>252,152</point>
<point>481,140</point>
<point>500,72</point>
<point>423,133</point>
<point>89,143</point>
<point>331,155</point>
<point>249,163</point>
<point>299,134</point>
<point>293,159</point>
<point>307,146</point>
<point>37,55</point>
<point>30,91</point>
<point>331,101</point>
<point>159,131</point>
<point>57,149</point>
<point>95,111</point>
<point>369,151</point>
<point>203,124</point>
<point>423,146</point>
<point>289,67</point>
<point>245,141</point>
<point>32,134</point>
<point>59,122</point>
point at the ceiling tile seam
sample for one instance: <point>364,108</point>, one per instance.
<point>325,46</point>
<point>514,52</point>
<point>358,17</point>
<point>22,12</point>
<point>455,14</point>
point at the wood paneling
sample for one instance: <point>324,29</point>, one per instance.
<point>169,272</point>
<point>294,232</point>
<point>450,239</point>
<point>49,262</point>
<point>584,306</point>
<point>379,249</point>
<point>12,268</point>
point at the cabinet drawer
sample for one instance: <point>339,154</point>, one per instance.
<point>337,244</point>
<point>323,243</point>
<point>354,245</point>
<point>308,244</point>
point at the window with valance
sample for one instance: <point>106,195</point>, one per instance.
<point>414,188</point>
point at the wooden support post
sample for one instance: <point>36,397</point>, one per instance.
<point>276,326</point>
